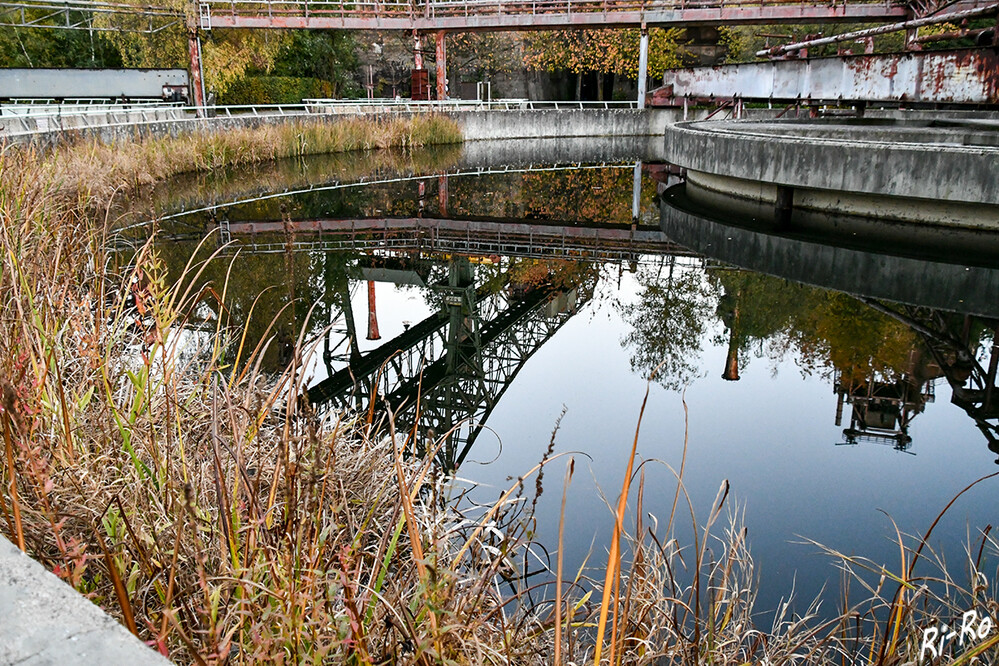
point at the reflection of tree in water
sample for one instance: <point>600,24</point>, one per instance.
<point>586,195</point>
<point>754,308</point>
<point>771,317</point>
<point>669,320</point>
<point>763,316</point>
<point>268,295</point>
<point>223,185</point>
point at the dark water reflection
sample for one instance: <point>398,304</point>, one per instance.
<point>521,283</point>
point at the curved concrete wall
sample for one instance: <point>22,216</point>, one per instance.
<point>929,211</point>
<point>912,170</point>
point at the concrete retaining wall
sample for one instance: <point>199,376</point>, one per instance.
<point>528,124</point>
<point>476,125</point>
<point>45,621</point>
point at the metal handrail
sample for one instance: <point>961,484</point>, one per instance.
<point>433,8</point>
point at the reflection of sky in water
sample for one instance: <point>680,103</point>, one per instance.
<point>772,434</point>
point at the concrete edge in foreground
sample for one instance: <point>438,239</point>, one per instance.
<point>45,621</point>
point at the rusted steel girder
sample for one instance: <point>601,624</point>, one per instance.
<point>501,17</point>
<point>197,77</point>
<point>964,76</point>
<point>373,332</point>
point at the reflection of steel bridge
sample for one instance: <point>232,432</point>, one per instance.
<point>450,370</point>
<point>482,237</point>
<point>973,385</point>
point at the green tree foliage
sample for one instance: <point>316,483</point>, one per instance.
<point>227,55</point>
<point>325,55</point>
<point>275,90</point>
<point>480,55</point>
<point>743,42</point>
<point>39,47</point>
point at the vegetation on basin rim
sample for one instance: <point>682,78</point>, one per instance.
<point>97,171</point>
<point>224,524</point>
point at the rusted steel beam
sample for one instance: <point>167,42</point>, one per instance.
<point>373,332</point>
<point>487,18</point>
<point>491,230</point>
<point>964,76</point>
<point>197,77</point>
<point>964,33</point>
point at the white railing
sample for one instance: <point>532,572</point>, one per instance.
<point>18,120</point>
<point>407,105</point>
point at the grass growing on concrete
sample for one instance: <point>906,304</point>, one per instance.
<point>225,524</point>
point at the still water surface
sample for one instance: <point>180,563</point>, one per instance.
<point>519,280</point>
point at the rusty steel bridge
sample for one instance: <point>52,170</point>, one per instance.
<point>496,15</point>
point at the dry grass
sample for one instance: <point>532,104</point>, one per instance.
<point>225,524</point>
<point>101,170</point>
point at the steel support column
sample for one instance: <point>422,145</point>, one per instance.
<point>373,333</point>
<point>636,191</point>
<point>442,195</point>
<point>417,51</point>
<point>643,66</point>
<point>197,75</point>
<point>441,66</point>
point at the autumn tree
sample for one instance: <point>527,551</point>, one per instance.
<point>604,52</point>
<point>43,47</point>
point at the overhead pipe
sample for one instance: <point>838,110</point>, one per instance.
<point>880,30</point>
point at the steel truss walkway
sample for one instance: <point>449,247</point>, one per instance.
<point>81,15</point>
<point>473,15</point>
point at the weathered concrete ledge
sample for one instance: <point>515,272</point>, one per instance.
<point>863,170</point>
<point>562,123</point>
<point>45,621</point>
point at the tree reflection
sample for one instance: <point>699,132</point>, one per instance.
<point>755,309</point>
<point>763,316</point>
<point>669,320</point>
